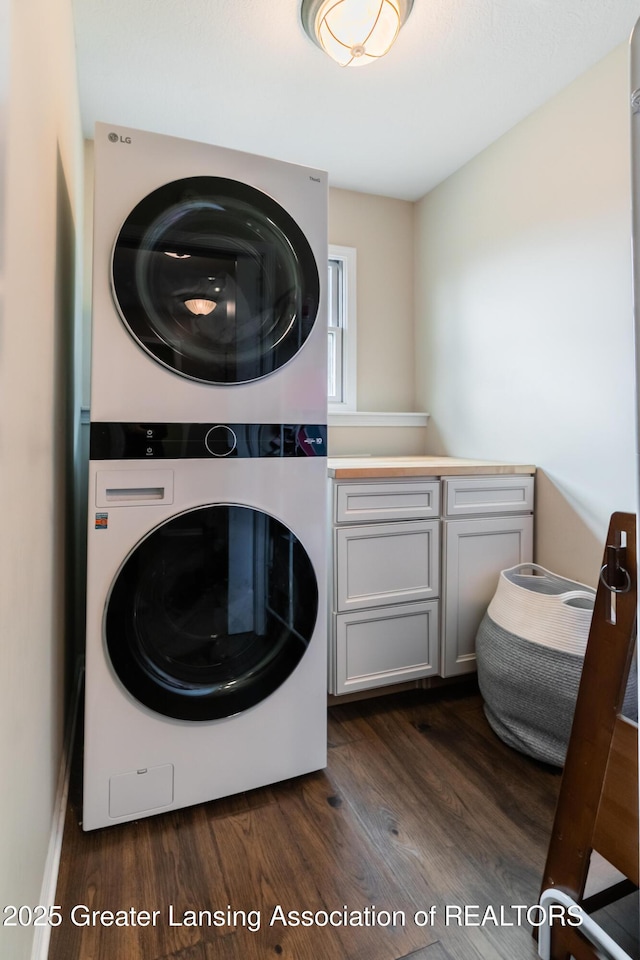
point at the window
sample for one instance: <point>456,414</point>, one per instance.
<point>342,328</point>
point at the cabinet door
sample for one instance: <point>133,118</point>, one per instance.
<point>374,648</point>
<point>379,564</point>
<point>475,551</point>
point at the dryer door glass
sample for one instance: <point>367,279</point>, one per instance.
<point>211,612</point>
<point>215,280</point>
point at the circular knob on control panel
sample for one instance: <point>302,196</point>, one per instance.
<point>220,440</point>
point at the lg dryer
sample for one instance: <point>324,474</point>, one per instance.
<point>208,284</point>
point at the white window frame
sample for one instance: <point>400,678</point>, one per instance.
<point>343,330</point>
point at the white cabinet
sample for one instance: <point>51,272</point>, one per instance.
<point>382,563</point>
<point>415,564</point>
<point>390,645</point>
<point>484,496</point>
<point>387,500</point>
<point>475,550</point>
<point>386,578</point>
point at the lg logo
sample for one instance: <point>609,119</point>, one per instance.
<point>114,138</point>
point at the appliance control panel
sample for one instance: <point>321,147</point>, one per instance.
<point>202,441</point>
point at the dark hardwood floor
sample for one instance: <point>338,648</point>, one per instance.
<point>420,806</point>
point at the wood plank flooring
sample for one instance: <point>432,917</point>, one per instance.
<point>420,806</point>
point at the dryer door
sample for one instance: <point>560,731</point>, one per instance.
<point>211,612</point>
<point>215,280</point>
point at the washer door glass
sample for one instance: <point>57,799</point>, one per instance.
<point>211,612</point>
<point>215,280</point>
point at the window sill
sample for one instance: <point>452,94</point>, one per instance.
<point>360,418</point>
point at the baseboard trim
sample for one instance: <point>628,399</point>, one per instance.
<point>42,935</point>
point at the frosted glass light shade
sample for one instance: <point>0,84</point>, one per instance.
<point>354,32</point>
<point>200,307</point>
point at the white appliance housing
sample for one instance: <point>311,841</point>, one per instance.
<point>138,761</point>
<point>279,207</point>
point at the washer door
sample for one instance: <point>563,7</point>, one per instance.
<point>211,612</point>
<point>215,280</point>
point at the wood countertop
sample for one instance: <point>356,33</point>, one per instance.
<point>363,468</point>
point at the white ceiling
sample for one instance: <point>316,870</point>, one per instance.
<point>243,74</point>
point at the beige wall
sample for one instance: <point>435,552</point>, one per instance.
<point>38,219</point>
<point>381,229</point>
<point>377,441</point>
<point>525,332</point>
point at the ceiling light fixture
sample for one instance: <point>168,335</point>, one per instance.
<point>200,307</point>
<point>354,32</point>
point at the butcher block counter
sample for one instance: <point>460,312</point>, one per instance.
<point>417,546</point>
<point>361,468</point>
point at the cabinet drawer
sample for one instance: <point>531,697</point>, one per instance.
<point>472,496</point>
<point>388,500</point>
<point>387,563</point>
<point>390,645</point>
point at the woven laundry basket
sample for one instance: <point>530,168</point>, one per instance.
<point>530,649</point>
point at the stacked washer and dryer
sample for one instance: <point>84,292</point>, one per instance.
<point>206,621</point>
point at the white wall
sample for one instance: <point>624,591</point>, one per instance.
<point>38,220</point>
<point>525,345</point>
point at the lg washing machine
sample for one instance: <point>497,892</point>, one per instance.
<point>206,621</point>
<point>209,288</point>
<point>206,581</point>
